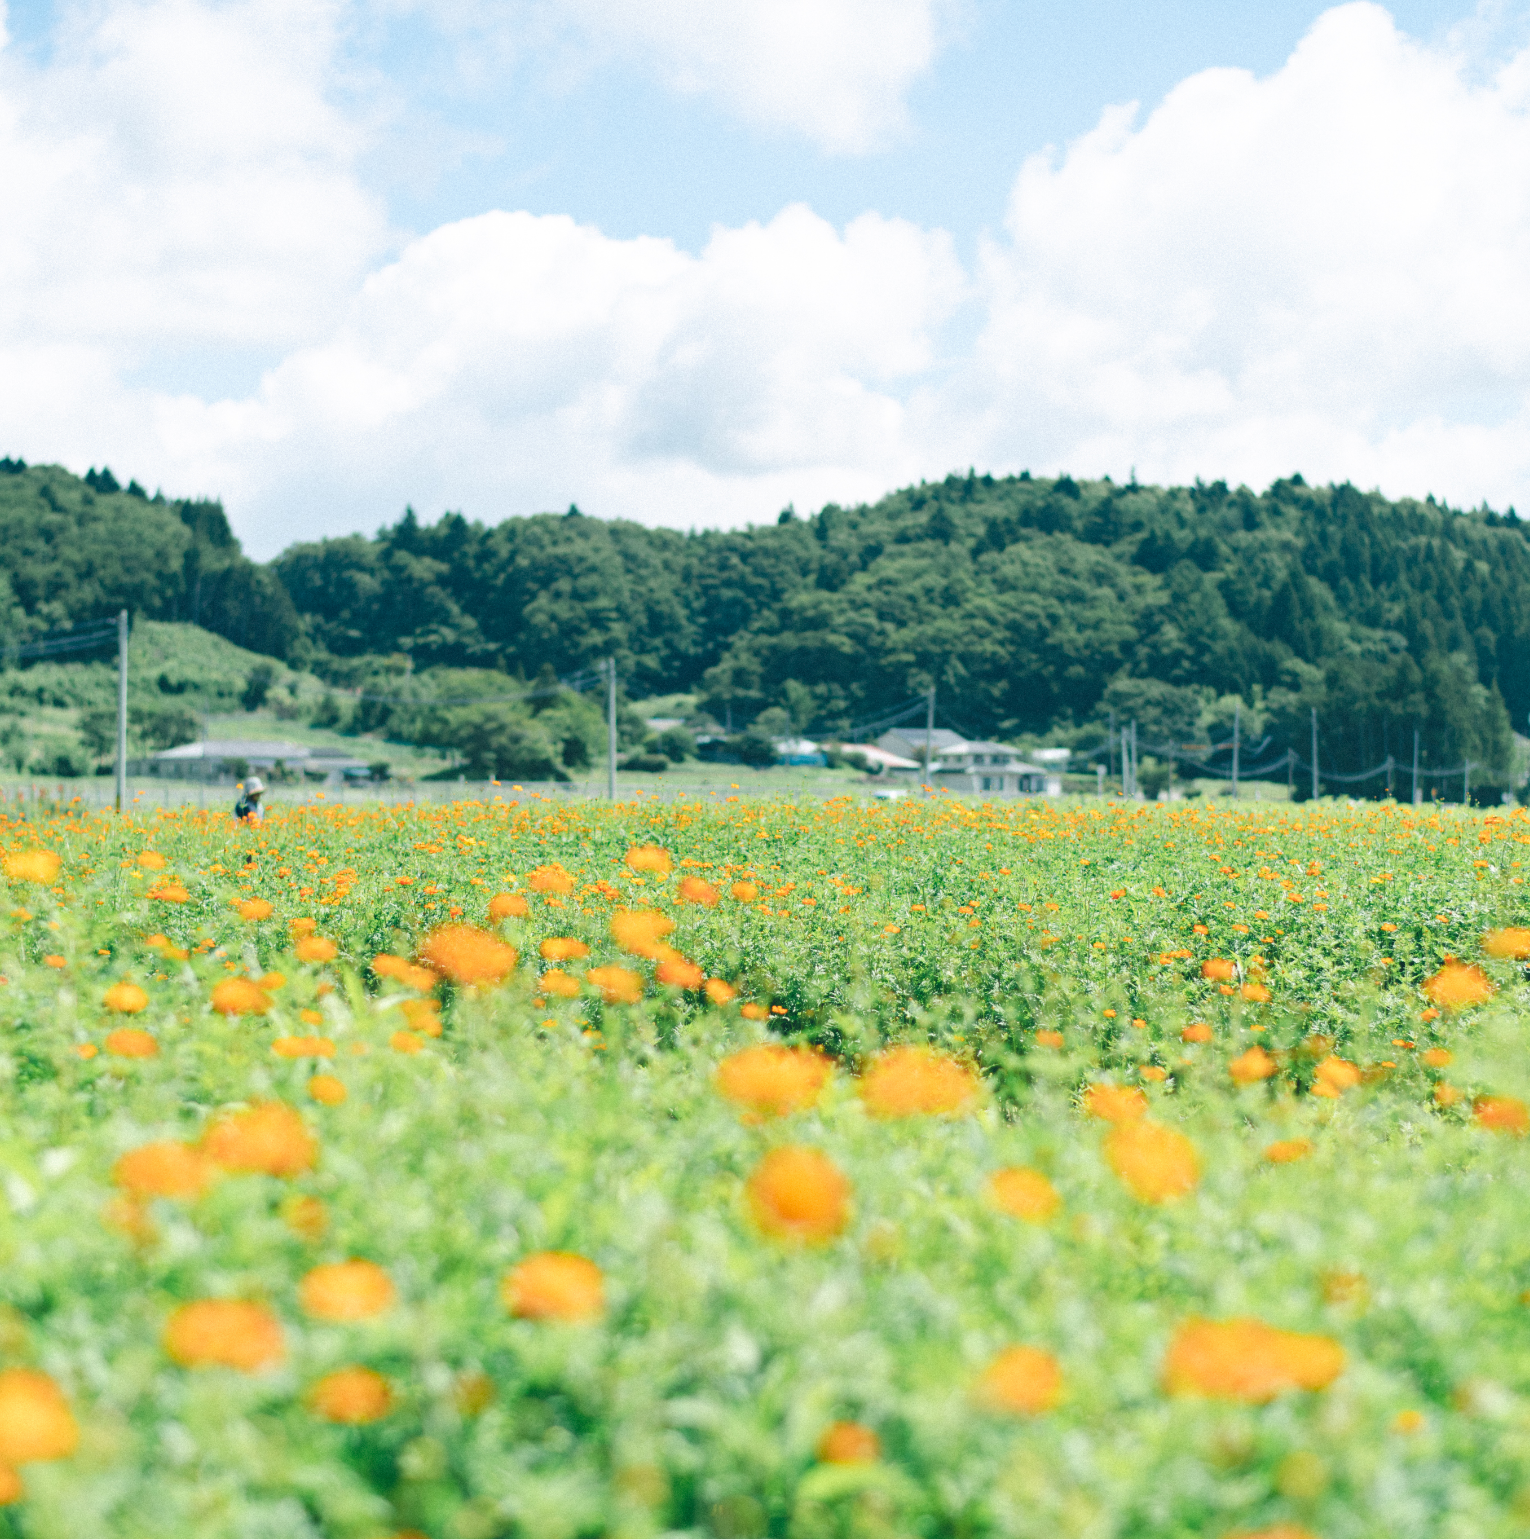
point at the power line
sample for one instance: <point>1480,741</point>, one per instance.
<point>96,633</point>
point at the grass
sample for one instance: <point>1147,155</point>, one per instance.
<point>1027,952</point>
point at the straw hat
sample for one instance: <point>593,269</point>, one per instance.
<point>253,786</point>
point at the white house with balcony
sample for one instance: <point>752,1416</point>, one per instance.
<point>973,766</point>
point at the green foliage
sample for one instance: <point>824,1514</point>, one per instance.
<point>79,549</point>
<point>1050,947</point>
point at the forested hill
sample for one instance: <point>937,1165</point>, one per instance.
<point>75,549</point>
<point>1035,604</point>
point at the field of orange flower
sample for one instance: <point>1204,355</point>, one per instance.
<point>765,1168</point>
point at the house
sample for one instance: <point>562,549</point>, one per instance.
<point>799,751</point>
<point>879,761</point>
<point>231,759</point>
<point>969,765</point>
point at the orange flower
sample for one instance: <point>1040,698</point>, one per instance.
<point>906,1081</point>
<point>467,955</point>
<point>618,986</point>
<point>31,866</point>
<point>551,879</point>
<point>1446,1095</point>
<point>346,1291</point>
<point>306,1216</point>
<point>166,1169</point>
<point>126,999</point>
<point>317,949</point>
<point>1115,1103</point>
<point>650,858</point>
<point>1252,1066</point>
<point>1049,1039</point>
<point>507,906</point>
<point>56,960</point>
<point>1220,970</point>
<point>1437,1058</point>
<point>799,1195</point>
<point>1023,1380</point>
<point>1458,985</point>
<point>1196,1032</point>
<point>1255,991</point>
<point>554,1286</point>
<point>563,949</point>
<point>35,1420</point>
<point>239,997</point>
<point>254,909</point>
<point>1503,1114</point>
<point>754,1011</point>
<point>849,1443</point>
<point>1024,1193</point>
<point>1246,1360</point>
<point>1334,1076</point>
<point>720,992</point>
<point>351,1396</point>
<point>131,1043</point>
<point>304,1047</point>
<point>640,931</point>
<point>556,982</point>
<point>680,973</point>
<point>169,893</point>
<point>268,1137</point>
<point>694,890</point>
<point>745,892</point>
<point>327,1089</point>
<point>1512,943</point>
<point>1157,1163</point>
<point>271,981</point>
<point>304,925</point>
<point>421,1016</point>
<point>151,861</point>
<point>772,1080</point>
<point>1284,1151</point>
<point>406,1042</point>
<point>227,1333</point>
<point>386,966</point>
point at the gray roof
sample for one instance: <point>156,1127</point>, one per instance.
<point>236,748</point>
<point>941,738</point>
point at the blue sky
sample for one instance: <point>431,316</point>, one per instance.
<point>684,262</point>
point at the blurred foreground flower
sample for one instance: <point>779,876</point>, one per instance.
<point>799,1195</point>
<point>125,998</point>
<point>1512,942</point>
<point>1246,1360</point>
<point>1023,1380</point>
<point>1458,985</point>
<point>554,1286</point>
<point>467,955</point>
<point>352,1396</point>
<point>239,997</point>
<point>650,858</point>
<point>1024,1193</point>
<point>40,866</point>
<point>904,1082</point>
<point>1158,1164</point>
<point>269,1138</point>
<point>772,1080</point>
<point>226,1333</point>
<point>346,1291</point>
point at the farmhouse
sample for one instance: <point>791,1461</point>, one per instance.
<point>967,765</point>
<point>230,759</point>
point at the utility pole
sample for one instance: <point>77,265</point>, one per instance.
<point>1099,774</point>
<point>1237,729</point>
<point>122,645</point>
<point>1133,790</point>
<point>1314,755</point>
<point>1110,752</point>
<point>1391,766</point>
<point>1466,784</point>
<point>611,728</point>
<point>1415,767</point>
<point>929,735</point>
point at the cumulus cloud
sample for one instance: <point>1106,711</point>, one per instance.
<point>517,361</point>
<point>834,71</point>
<point>1322,270</point>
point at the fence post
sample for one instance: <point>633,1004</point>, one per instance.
<point>122,667</point>
<point>1237,733</point>
<point>1466,783</point>
<point>1416,797</point>
<point>1314,755</point>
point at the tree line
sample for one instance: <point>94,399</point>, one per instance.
<point>1034,605</point>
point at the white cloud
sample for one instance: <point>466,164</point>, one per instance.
<point>176,185</point>
<point>1323,270</point>
<point>511,362</point>
<point>834,71</point>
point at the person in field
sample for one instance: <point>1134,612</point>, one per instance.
<point>248,808</point>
